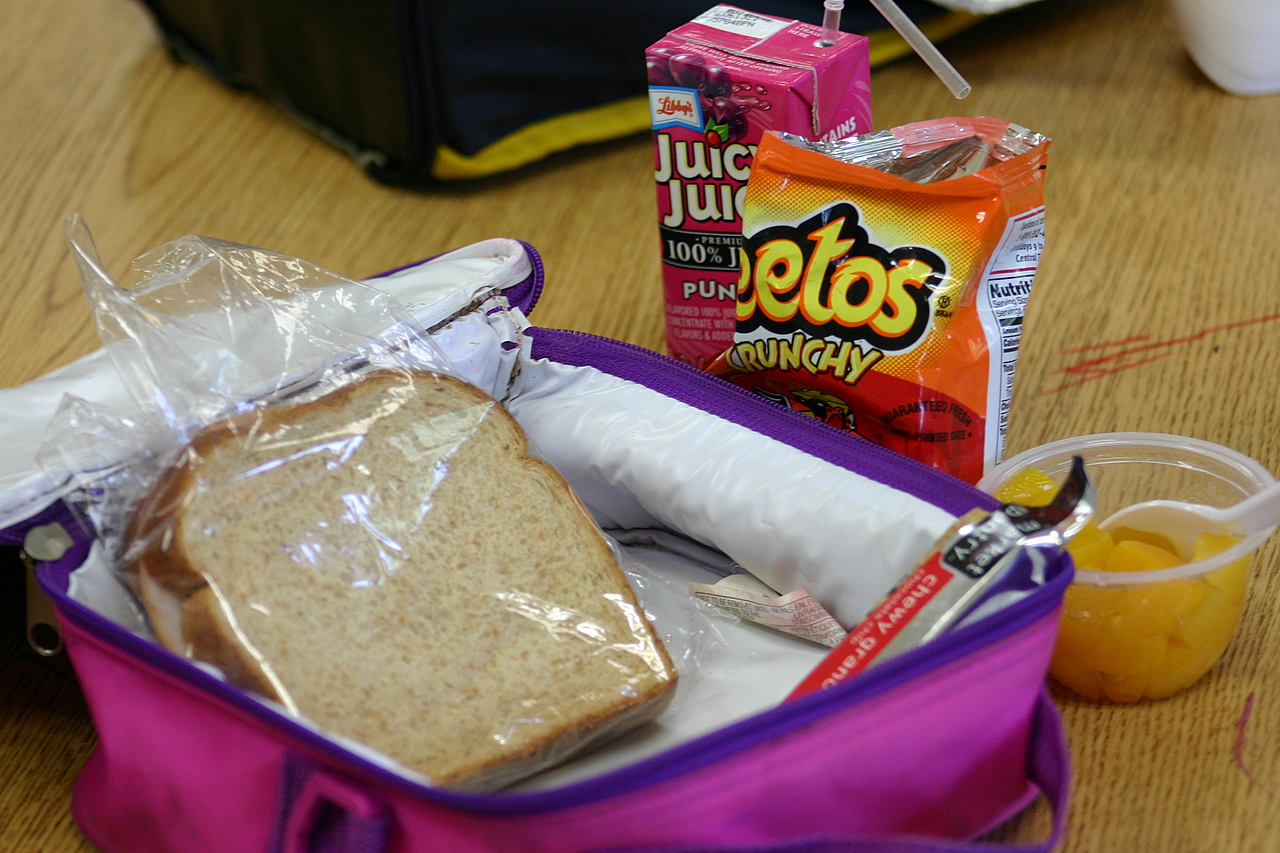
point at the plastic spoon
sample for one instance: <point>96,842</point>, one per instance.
<point>1182,522</point>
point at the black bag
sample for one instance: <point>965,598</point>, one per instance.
<point>418,92</point>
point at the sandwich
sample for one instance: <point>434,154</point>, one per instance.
<point>390,563</point>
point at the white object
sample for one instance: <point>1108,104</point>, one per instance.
<point>640,459</point>
<point>731,19</point>
<point>981,7</point>
<point>1183,522</point>
<point>1236,43</point>
<point>796,613</point>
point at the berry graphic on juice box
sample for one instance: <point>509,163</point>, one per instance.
<point>716,84</point>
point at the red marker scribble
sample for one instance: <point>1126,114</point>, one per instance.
<point>1132,339</point>
<point>1241,740</point>
<point>1134,352</point>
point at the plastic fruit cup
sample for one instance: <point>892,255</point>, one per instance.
<point>1147,633</point>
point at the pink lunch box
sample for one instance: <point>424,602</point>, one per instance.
<point>925,752</point>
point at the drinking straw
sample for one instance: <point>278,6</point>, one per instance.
<point>931,55</point>
<point>830,21</point>
<point>909,32</point>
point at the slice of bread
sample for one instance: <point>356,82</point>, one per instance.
<point>390,563</point>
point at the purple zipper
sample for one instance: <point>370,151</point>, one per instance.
<point>526,294</point>
<point>523,295</point>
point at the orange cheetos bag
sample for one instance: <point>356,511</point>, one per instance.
<point>883,282</point>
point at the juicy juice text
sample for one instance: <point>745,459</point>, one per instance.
<point>716,85</point>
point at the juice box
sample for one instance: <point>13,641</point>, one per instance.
<point>716,84</point>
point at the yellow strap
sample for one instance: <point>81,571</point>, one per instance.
<point>535,141</point>
<point>623,118</point>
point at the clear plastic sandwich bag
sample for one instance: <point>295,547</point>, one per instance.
<point>201,330</point>
<point>304,497</point>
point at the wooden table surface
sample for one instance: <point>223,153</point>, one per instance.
<point>1157,307</point>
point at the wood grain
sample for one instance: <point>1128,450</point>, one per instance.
<point>1156,308</point>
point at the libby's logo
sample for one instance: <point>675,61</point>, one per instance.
<point>824,277</point>
<point>670,106</point>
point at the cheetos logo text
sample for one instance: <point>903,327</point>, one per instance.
<point>826,278</point>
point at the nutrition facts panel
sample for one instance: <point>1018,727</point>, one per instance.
<point>1002,302</point>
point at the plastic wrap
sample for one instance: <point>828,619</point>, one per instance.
<point>314,506</point>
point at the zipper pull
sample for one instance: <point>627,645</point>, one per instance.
<point>44,544</point>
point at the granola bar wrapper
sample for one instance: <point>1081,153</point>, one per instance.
<point>883,279</point>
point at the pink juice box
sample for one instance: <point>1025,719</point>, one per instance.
<point>716,84</point>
